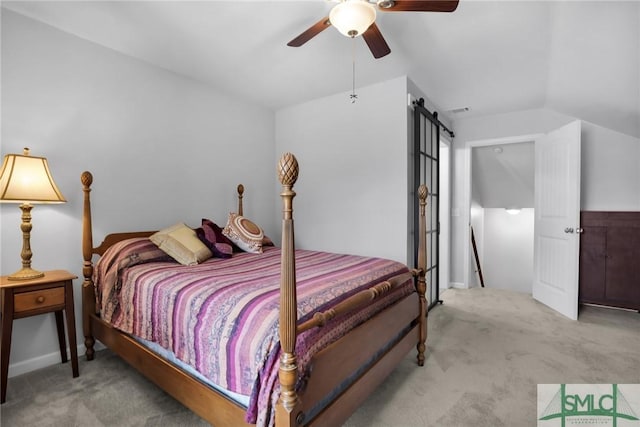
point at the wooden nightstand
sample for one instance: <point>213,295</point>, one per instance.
<point>24,298</point>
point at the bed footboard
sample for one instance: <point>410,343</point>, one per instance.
<point>290,409</point>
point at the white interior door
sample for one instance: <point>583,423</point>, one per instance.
<point>557,217</point>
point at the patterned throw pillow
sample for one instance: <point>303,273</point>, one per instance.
<point>211,235</point>
<point>182,244</point>
<point>266,241</point>
<point>244,233</point>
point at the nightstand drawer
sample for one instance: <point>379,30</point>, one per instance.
<point>34,300</point>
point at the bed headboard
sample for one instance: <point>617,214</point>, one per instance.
<point>88,250</point>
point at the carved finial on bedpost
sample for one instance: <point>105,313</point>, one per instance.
<point>288,409</point>
<point>240,195</point>
<point>422,267</point>
<point>88,295</point>
<point>288,169</point>
<point>422,196</point>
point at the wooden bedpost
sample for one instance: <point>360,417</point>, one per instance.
<point>422,267</point>
<point>88,293</point>
<point>288,409</point>
<point>240,195</point>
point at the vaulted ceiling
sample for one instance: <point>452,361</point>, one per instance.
<point>581,58</point>
<point>503,175</point>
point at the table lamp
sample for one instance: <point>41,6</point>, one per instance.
<point>25,179</point>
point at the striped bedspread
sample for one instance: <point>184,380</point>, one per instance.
<point>221,316</point>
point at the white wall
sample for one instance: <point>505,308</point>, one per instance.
<point>507,261</point>
<point>352,190</point>
<point>162,149</point>
<point>610,170</point>
<point>354,169</point>
<point>610,173</point>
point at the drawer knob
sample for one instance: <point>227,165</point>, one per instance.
<point>40,299</point>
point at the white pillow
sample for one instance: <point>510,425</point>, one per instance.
<point>244,233</point>
<point>182,244</point>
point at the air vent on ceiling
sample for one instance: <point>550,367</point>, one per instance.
<point>459,110</point>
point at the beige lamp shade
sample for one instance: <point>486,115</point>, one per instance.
<point>27,179</point>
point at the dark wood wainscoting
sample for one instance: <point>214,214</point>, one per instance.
<point>610,259</point>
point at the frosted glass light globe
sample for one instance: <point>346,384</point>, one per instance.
<point>352,17</point>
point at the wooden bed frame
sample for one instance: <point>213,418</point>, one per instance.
<point>330,367</point>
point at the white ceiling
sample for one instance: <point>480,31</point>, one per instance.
<point>580,58</point>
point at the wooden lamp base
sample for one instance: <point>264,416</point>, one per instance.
<point>26,272</point>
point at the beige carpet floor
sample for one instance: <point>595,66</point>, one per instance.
<point>487,351</point>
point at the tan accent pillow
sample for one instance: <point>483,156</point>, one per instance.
<point>182,244</point>
<point>244,233</point>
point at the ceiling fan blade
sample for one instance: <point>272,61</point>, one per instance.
<point>310,33</point>
<point>421,6</point>
<point>376,42</point>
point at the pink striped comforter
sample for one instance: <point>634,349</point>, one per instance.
<point>221,316</point>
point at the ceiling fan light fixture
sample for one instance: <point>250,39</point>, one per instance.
<point>352,17</point>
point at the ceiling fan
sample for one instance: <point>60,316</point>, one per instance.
<point>357,17</point>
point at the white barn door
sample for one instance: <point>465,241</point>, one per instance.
<point>557,219</point>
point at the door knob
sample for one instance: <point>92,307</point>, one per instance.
<point>568,230</point>
<point>579,230</point>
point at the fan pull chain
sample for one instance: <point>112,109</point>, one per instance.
<point>353,95</point>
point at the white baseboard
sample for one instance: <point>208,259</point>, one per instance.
<point>45,360</point>
<point>458,285</point>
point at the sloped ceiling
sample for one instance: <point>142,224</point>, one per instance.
<point>581,58</point>
<point>503,175</point>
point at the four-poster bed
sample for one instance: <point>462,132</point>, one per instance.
<point>377,324</point>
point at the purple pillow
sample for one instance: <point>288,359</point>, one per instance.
<point>211,235</point>
<point>267,242</point>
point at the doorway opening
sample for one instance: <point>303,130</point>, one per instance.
<point>502,215</point>
<point>557,215</point>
